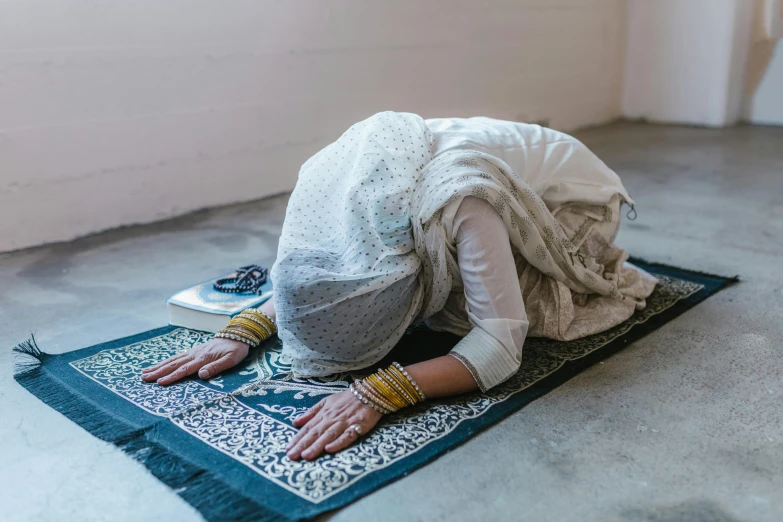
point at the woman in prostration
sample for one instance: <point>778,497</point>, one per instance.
<point>488,229</point>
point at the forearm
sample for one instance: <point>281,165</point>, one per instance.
<point>442,376</point>
<point>437,377</point>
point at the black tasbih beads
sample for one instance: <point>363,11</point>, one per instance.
<point>247,279</point>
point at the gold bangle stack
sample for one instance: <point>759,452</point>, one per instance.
<point>388,390</point>
<point>251,326</point>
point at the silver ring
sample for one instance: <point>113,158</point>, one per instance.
<point>357,429</point>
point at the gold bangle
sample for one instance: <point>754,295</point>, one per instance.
<point>382,374</point>
<point>263,330</point>
<point>374,396</point>
<point>410,392</point>
<point>254,327</point>
<point>378,403</point>
<point>262,317</point>
<point>381,389</point>
<point>242,329</point>
<point>371,395</point>
<point>242,332</point>
<point>409,399</point>
<point>373,390</point>
<point>246,331</point>
<point>401,388</point>
<point>365,400</point>
<point>386,390</point>
<point>240,323</point>
<point>234,337</point>
<point>406,383</point>
<point>252,318</point>
<point>410,380</point>
<point>374,399</point>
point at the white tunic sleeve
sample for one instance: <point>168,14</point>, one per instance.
<point>492,350</point>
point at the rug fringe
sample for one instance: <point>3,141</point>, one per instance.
<point>27,356</point>
<point>208,493</point>
<point>211,496</point>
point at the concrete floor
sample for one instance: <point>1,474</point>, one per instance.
<point>684,425</point>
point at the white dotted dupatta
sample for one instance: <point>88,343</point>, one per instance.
<point>366,249</point>
<point>574,281</point>
<point>346,275</point>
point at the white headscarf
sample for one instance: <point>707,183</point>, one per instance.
<point>345,279</point>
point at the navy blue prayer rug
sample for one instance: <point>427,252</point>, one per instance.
<point>220,444</point>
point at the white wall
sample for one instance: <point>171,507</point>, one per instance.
<point>765,104</point>
<point>686,60</point>
<point>115,112</point>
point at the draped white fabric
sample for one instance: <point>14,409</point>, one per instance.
<point>365,249</point>
<point>346,274</point>
<point>558,167</point>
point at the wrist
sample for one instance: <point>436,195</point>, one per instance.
<point>251,327</point>
<point>388,390</point>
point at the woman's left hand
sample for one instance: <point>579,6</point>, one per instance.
<point>328,426</point>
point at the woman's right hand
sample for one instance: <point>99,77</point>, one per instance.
<point>208,359</point>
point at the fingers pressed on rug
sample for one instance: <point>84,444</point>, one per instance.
<point>165,368</point>
<point>208,360</point>
<point>210,370</point>
<point>184,370</point>
<point>333,424</point>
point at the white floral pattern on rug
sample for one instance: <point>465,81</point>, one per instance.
<point>257,436</point>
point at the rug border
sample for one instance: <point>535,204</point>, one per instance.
<point>712,285</point>
<point>217,500</point>
<point>212,497</point>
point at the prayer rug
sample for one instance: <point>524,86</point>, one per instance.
<point>220,444</point>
